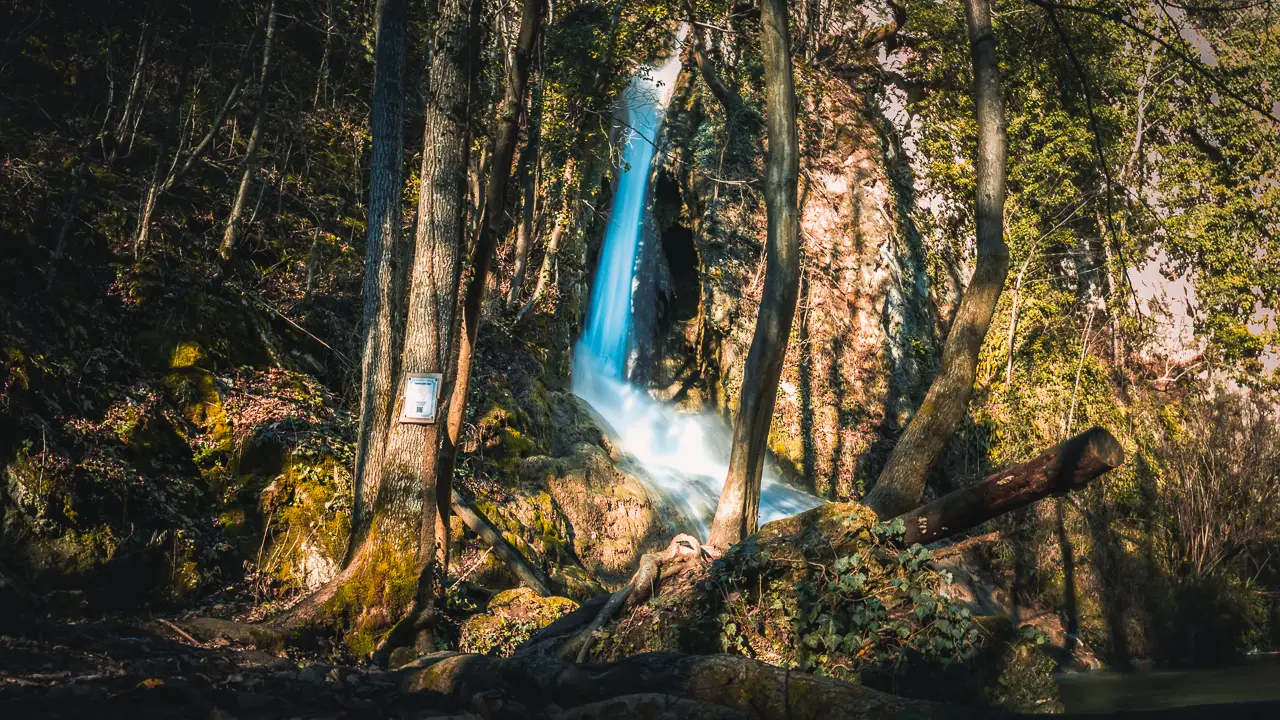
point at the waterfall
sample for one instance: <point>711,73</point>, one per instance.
<point>683,458</point>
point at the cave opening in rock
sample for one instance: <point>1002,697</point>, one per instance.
<point>682,262</point>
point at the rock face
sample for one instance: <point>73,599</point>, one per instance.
<point>864,333</point>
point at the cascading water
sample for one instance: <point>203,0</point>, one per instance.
<point>682,457</point>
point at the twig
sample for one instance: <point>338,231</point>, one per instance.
<point>289,320</point>
<point>471,569</point>
<point>181,632</point>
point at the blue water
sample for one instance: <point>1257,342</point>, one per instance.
<point>608,335</point>
<point>681,457</point>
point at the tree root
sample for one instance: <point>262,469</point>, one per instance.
<point>639,589</point>
<point>698,687</point>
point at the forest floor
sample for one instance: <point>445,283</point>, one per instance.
<point>146,669</point>
<point>151,668</point>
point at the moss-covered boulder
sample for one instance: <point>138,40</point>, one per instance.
<point>513,616</point>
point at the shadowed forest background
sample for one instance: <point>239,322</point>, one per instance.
<point>197,205</point>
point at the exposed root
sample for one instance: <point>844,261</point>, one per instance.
<point>708,687</point>
<point>639,589</point>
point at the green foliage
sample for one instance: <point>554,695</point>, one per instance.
<point>878,606</point>
<point>513,616</point>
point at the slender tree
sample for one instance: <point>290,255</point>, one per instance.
<point>231,234</point>
<point>504,147</point>
<point>738,511</point>
<point>902,481</point>
<point>529,160</point>
<point>383,254</point>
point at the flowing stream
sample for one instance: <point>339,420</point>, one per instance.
<point>683,457</point>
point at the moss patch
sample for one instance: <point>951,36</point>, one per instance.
<point>512,618</point>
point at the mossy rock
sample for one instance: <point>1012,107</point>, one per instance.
<point>513,617</point>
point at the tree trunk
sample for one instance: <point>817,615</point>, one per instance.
<point>568,201</point>
<point>382,325</point>
<point>79,177</point>
<point>135,85</point>
<point>231,234</point>
<point>490,229</point>
<point>322,77</point>
<point>902,481</point>
<point>529,160</point>
<point>392,571</point>
<point>411,456</point>
<point>1067,466</point>
<point>160,180</point>
<point>737,514</point>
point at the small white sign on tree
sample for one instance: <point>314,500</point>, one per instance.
<point>421,396</point>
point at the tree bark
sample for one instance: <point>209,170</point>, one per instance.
<point>529,160</point>
<point>382,324</point>
<point>902,481</point>
<point>400,543</point>
<point>1067,466</point>
<point>568,202</point>
<point>726,95</point>
<point>231,234</point>
<point>412,452</point>
<point>490,229</point>
<point>737,514</point>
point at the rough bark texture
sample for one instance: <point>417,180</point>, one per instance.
<point>401,540</point>
<point>490,230</point>
<point>411,456</point>
<point>1067,466</point>
<point>383,254</point>
<point>231,234</point>
<point>738,511</point>
<point>902,481</point>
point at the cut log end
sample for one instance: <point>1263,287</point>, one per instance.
<point>1104,446</point>
<point>1067,466</point>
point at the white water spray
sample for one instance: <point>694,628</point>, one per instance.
<point>683,457</point>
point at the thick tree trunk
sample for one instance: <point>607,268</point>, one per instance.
<point>1067,466</point>
<point>737,514</point>
<point>383,255</point>
<point>504,147</point>
<point>394,560</point>
<point>412,451</point>
<point>902,481</point>
<point>231,234</point>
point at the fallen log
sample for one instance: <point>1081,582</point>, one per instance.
<point>1068,466</point>
<point>509,555</point>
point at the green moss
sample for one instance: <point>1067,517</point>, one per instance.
<point>787,446</point>
<point>380,590</point>
<point>195,391</point>
<point>512,617</point>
